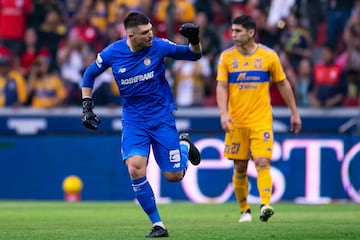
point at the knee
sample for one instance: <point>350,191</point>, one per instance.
<point>240,166</point>
<point>262,162</point>
<point>174,176</point>
<point>136,169</point>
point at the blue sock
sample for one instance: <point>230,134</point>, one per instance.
<point>145,196</point>
<point>184,151</point>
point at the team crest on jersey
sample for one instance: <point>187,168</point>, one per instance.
<point>235,64</point>
<point>258,63</point>
<point>147,61</point>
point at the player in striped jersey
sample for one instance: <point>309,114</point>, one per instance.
<point>243,77</point>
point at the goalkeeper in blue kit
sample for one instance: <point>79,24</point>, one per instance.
<point>138,66</point>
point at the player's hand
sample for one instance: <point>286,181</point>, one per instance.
<point>89,116</point>
<point>191,32</point>
<point>295,123</point>
<point>226,120</point>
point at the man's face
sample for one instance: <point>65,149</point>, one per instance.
<point>142,35</point>
<point>4,68</point>
<point>240,35</point>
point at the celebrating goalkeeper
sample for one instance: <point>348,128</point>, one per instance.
<point>137,63</point>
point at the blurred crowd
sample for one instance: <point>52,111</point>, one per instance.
<point>45,46</point>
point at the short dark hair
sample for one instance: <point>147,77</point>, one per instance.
<point>329,46</point>
<point>246,21</point>
<point>134,19</point>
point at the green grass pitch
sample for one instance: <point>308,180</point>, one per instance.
<point>38,220</point>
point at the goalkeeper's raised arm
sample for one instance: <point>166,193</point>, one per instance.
<point>191,32</point>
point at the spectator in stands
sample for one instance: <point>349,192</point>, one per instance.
<point>98,15</point>
<point>116,28</point>
<point>12,83</point>
<point>13,16</point>
<point>296,40</point>
<point>211,45</point>
<point>279,10</point>
<point>329,84</point>
<point>52,31</point>
<point>190,79</point>
<point>304,77</point>
<point>313,18</point>
<point>86,30</point>
<point>205,7</point>
<point>276,97</point>
<point>71,7</point>
<point>350,57</point>
<point>45,87</point>
<point>221,15</point>
<point>41,9</point>
<point>71,62</point>
<point>338,13</point>
<point>30,51</point>
<point>143,6</point>
<point>182,11</point>
<point>252,8</point>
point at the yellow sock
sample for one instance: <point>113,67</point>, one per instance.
<point>264,184</point>
<point>241,186</point>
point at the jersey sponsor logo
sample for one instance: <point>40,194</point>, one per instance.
<point>247,86</point>
<point>241,76</point>
<point>174,155</point>
<point>138,78</point>
<point>99,61</point>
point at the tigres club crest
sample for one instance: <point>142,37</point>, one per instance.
<point>258,63</point>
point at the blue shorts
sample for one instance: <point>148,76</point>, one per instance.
<point>161,134</point>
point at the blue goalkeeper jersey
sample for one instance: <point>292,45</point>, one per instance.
<point>140,76</point>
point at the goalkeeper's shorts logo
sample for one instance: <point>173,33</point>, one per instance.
<point>174,155</point>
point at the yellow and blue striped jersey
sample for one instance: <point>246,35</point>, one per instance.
<point>12,89</point>
<point>48,92</point>
<point>249,78</point>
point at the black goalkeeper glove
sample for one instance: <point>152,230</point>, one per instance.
<point>191,32</point>
<point>89,115</point>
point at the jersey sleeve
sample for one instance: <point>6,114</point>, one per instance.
<point>222,70</point>
<point>178,52</point>
<point>276,71</point>
<point>101,63</point>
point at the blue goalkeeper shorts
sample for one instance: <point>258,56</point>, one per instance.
<point>160,134</point>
